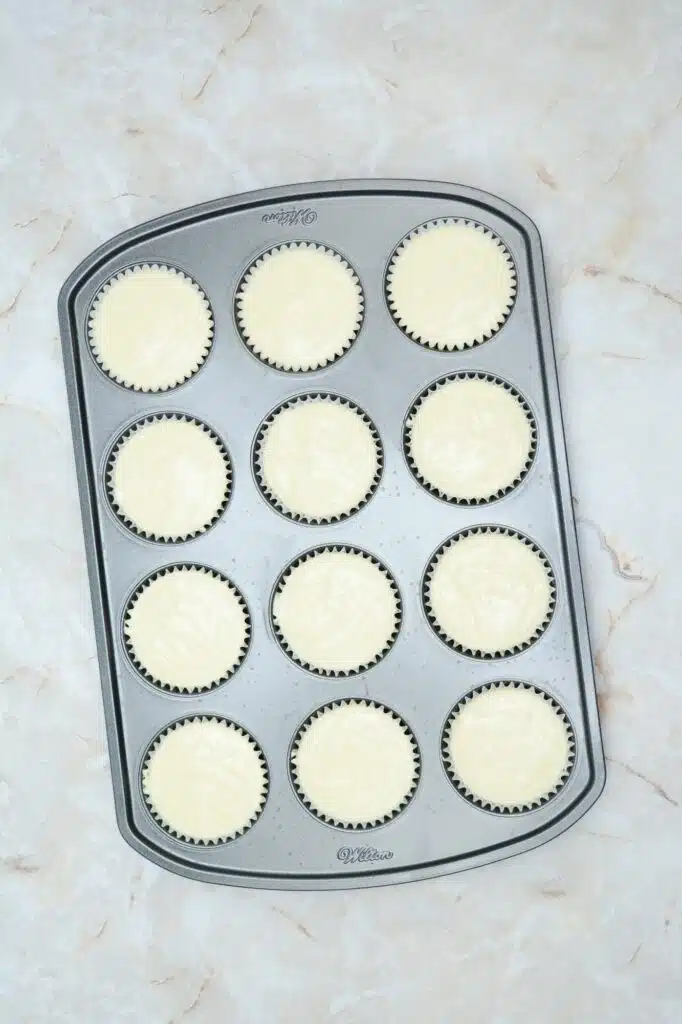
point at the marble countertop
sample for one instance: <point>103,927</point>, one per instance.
<point>117,112</point>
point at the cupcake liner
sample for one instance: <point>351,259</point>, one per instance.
<point>257,455</point>
<point>130,650</point>
<point>490,378</point>
<point>158,818</point>
<point>471,652</point>
<point>496,320</point>
<point>254,345</point>
<point>163,538</point>
<point>339,823</point>
<point>289,651</point>
<point>487,805</point>
<point>92,327</point>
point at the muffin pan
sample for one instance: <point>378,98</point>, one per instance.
<point>306,689</point>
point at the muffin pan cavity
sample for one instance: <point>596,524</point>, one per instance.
<point>336,611</point>
<point>470,438</point>
<point>150,327</point>
<point>186,628</point>
<point>333,563</point>
<point>205,780</point>
<point>355,764</point>
<point>318,458</point>
<point>299,307</point>
<point>508,747</point>
<point>168,478</point>
<point>450,284</point>
<point>489,592</point>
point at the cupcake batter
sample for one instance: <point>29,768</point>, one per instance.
<point>470,439</point>
<point>299,307</point>
<point>451,285</point>
<point>150,328</point>
<point>169,478</point>
<point>187,628</point>
<point>355,763</point>
<point>337,611</point>
<point>509,746</point>
<point>319,459</point>
<point>206,780</point>
<point>490,592</point>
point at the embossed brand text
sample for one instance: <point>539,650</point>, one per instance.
<point>362,854</point>
<point>290,218</point>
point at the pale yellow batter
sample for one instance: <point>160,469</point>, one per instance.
<point>490,592</point>
<point>337,611</point>
<point>509,747</point>
<point>470,439</point>
<point>169,478</point>
<point>300,307</point>
<point>319,459</point>
<point>150,328</point>
<point>355,764</point>
<point>206,780</point>
<point>188,628</point>
<point>451,284</point>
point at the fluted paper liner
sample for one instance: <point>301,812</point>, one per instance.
<point>195,800</point>
<point>160,535</point>
<point>335,330</point>
<point>464,499</point>
<point>259,448</point>
<point>417,315</point>
<point>167,355</point>
<point>288,648</point>
<point>545,793</point>
<point>475,652</point>
<point>396,806</point>
<point>229,667</point>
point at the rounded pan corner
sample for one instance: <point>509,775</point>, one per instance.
<point>449,190</point>
<point>565,819</point>
<point>146,848</point>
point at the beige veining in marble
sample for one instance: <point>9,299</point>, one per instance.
<point>113,113</point>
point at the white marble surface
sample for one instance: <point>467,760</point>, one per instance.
<point>114,112</point>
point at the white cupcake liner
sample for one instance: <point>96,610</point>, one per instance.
<point>243,330</point>
<point>496,323</point>
<point>158,818</point>
<point>337,822</point>
<point>92,323</point>
<point>137,664</point>
<point>471,652</point>
<point>257,453</point>
<point>487,805</point>
<point>109,469</point>
<point>431,389</point>
<point>291,653</point>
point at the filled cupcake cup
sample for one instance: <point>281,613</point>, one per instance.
<point>450,284</point>
<point>168,478</point>
<point>489,592</point>
<point>299,307</point>
<point>205,780</point>
<point>317,458</point>
<point>355,764</point>
<point>336,611</point>
<point>186,628</point>
<point>470,438</point>
<point>508,747</point>
<point>150,327</point>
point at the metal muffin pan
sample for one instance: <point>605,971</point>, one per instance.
<point>420,678</point>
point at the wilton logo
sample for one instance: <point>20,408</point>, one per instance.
<point>290,218</point>
<point>362,854</point>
